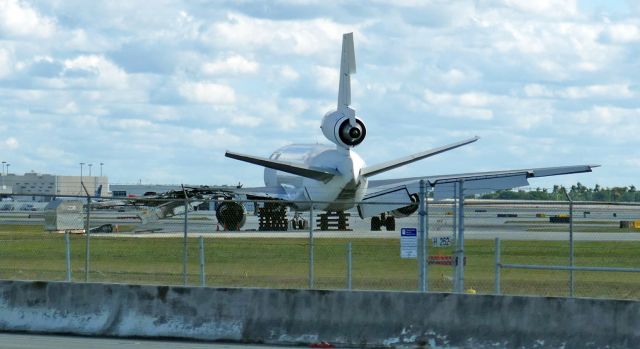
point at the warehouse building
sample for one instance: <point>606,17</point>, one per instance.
<point>44,187</point>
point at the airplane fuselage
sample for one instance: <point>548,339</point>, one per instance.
<point>339,193</point>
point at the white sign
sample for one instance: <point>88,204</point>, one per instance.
<point>409,243</point>
<point>441,241</point>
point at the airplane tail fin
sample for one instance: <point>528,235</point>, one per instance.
<point>347,67</point>
<point>98,192</point>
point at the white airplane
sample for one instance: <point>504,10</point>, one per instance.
<point>335,178</point>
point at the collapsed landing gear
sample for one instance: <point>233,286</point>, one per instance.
<point>389,222</point>
<point>333,220</point>
<point>272,217</point>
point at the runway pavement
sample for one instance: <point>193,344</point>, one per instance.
<point>486,221</point>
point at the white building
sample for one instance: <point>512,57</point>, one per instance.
<point>43,187</point>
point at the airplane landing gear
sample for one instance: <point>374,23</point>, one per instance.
<point>297,222</point>
<point>377,222</point>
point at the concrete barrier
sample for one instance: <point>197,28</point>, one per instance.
<point>356,319</point>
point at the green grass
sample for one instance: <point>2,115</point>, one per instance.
<point>28,253</point>
<point>546,221</point>
<point>584,229</point>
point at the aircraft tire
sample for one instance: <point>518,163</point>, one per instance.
<point>376,223</point>
<point>390,223</point>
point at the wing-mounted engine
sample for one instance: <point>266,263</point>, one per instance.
<point>231,214</point>
<point>339,129</point>
<point>407,211</point>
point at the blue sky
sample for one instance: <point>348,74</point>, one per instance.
<point>158,93</point>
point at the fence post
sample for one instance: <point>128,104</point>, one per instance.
<point>423,253</point>
<point>349,266</point>
<point>68,254</point>
<point>87,231</point>
<point>184,247</point>
<point>202,277</point>
<point>459,260</point>
<point>454,226</point>
<point>498,266</point>
<point>311,224</point>
<point>571,261</point>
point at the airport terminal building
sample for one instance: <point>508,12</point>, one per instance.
<point>34,186</point>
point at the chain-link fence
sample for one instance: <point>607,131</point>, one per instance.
<point>268,244</point>
<point>584,249</point>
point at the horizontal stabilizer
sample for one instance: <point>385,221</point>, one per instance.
<point>319,174</point>
<point>390,165</point>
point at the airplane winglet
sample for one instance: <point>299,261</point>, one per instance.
<point>347,67</point>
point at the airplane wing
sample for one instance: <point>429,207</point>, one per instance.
<point>390,165</point>
<point>389,194</point>
<point>320,174</point>
<point>475,183</point>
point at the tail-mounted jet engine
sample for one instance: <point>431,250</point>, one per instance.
<point>231,215</point>
<point>338,129</point>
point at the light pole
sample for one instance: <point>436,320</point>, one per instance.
<point>81,166</point>
<point>8,168</point>
<point>4,162</point>
<point>94,182</point>
<point>102,163</point>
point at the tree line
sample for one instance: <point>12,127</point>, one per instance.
<point>577,192</point>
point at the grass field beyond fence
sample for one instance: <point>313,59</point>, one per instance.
<point>27,253</point>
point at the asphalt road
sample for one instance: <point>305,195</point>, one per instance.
<point>37,341</point>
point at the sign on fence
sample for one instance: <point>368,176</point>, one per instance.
<point>441,241</point>
<point>409,243</point>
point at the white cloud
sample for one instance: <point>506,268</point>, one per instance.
<point>18,18</point>
<point>69,108</point>
<point>98,68</point>
<point>220,138</point>
<point>291,36</point>
<point>467,99</point>
<point>622,33</point>
<point>6,62</point>
<point>289,73</point>
<point>633,162</point>
<point>590,91</point>
<point>235,64</point>
<point>605,126</point>
<point>207,92</point>
<point>537,90</point>
<point>11,143</point>
<point>326,78</point>
<point>454,76</point>
<point>611,91</point>
<point>132,124</point>
<point>546,8</point>
<point>246,120</point>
